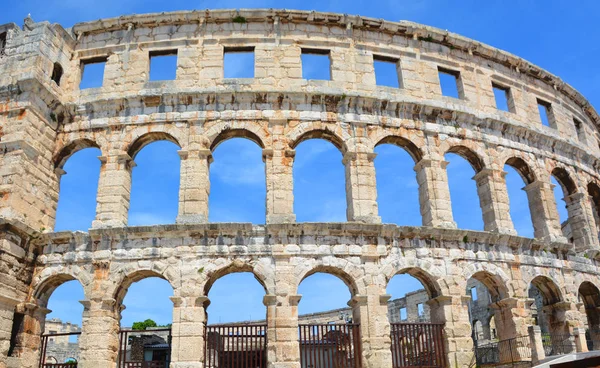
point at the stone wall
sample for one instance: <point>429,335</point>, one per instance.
<point>45,118</point>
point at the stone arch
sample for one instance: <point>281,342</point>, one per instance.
<point>426,279</point>
<point>550,291</point>
<point>470,155</point>
<point>522,168</point>
<point>338,272</point>
<point>589,295</point>
<point>71,148</point>
<point>415,152</point>
<point>237,266</point>
<point>594,192</point>
<point>49,280</point>
<point>142,141</point>
<point>57,73</point>
<point>493,278</point>
<point>325,134</point>
<point>128,279</point>
<point>236,133</point>
<point>564,179</point>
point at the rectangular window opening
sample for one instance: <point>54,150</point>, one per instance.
<point>16,328</point>
<point>163,65</point>
<point>503,98</point>
<point>420,309</point>
<point>316,64</point>
<point>450,83</point>
<point>387,71</point>
<point>238,62</point>
<point>579,129</point>
<point>2,43</point>
<point>403,315</point>
<point>546,114</point>
<point>92,73</point>
<point>474,294</point>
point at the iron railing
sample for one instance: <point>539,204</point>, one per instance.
<point>330,345</point>
<point>513,351</point>
<point>558,344</point>
<point>235,346</point>
<point>45,340</point>
<point>417,345</point>
<point>126,342</point>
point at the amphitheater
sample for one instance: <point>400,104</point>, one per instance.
<point>45,118</point>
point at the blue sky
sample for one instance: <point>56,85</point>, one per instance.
<point>532,29</point>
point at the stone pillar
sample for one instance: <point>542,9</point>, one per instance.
<point>280,185</point>
<point>99,340</point>
<point>187,331</point>
<point>434,193</point>
<point>194,186</point>
<point>28,343</point>
<point>361,190</point>
<point>581,220</point>
<point>453,311</point>
<point>580,340</point>
<point>494,202</point>
<point>537,347</point>
<point>512,318</point>
<point>114,188</point>
<point>7,313</point>
<point>542,205</point>
<point>283,348</point>
<point>371,311</point>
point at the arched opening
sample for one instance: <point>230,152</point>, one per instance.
<point>563,188</point>
<point>463,164</point>
<point>549,313</point>
<point>62,326</point>
<point>319,179</point>
<point>78,186</point>
<point>146,319</point>
<point>594,194</point>
<point>589,295</point>
<point>478,330</point>
<point>397,186</point>
<point>519,175</point>
<point>237,177</point>
<point>480,309</point>
<point>328,320</point>
<point>57,73</point>
<point>154,181</point>
<point>236,315</point>
<point>416,324</point>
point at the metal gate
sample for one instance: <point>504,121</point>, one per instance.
<point>330,345</point>
<point>235,346</point>
<point>60,350</point>
<point>144,348</point>
<point>418,345</point>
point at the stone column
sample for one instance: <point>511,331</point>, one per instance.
<point>580,340</point>
<point>562,318</point>
<point>371,312</point>
<point>434,193</point>
<point>542,205</point>
<point>99,340</point>
<point>283,349</point>
<point>494,202</point>
<point>194,186</point>
<point>512,318</point>
<point>537,347</point>
<point>280,185</point>
<point>187,331</point>
<point>114,189</point>
<point>361,190</point>
<point>28,343</point>
<point>581,220</point>
<point>453,311</point>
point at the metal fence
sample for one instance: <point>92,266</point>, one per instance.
<point>510,351</point>
<point>144,349</point>
<point>418,345</point>
<point>558,344</point>
<point>50,345</point>
<point>330,345</point>
<point>235,346</point>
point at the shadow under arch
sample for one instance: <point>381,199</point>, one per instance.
<point>565,181</point>
<point>70,149</point>
<point>321,134</point>
<point>468,154</point>
<point>549,290</point>
<point>46,288</point>
<point>495,285</point>
<point>522,168</point>
<point>227,134</point>
<point>427,280</point>
<point>403,143</point>
<point>334,271</point>
<point>230,269</point>
<point>142,141</point>
<point>133,277</point>
<point>589,294</point>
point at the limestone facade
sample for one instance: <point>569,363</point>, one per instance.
<point>45,117</point>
